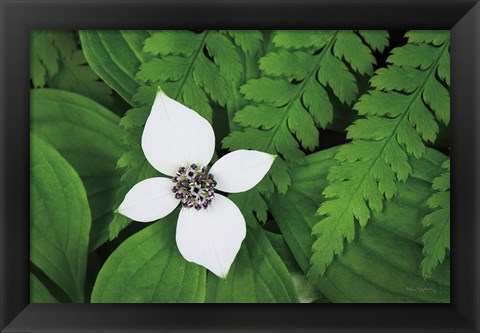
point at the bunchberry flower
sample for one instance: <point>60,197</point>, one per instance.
<point>179,143</point>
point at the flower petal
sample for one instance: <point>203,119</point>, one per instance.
<point>211,237</point>
<point>176,136</point>
<point>149,200</point>
<point>241,170</point>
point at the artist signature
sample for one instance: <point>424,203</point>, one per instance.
<point>421,290</point>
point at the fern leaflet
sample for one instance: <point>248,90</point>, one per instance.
<point>437,239</point>
<point>399,116</point>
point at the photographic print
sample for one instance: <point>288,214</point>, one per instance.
<point>240,166</point>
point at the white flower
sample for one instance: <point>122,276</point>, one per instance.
<point>180,143</point>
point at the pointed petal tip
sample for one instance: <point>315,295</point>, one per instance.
<point>119,209</point>
<point>160,90</point>
<point>211,238</point>
<point>175,135</point>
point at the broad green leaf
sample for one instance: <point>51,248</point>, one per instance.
<point>147,268</point>
<point>39,293</point>
<point>60,219</point>
<point>115,56</point>
<point>282,249</point>
<point>89,138</point>
<point>306,291</point>
<point>399,117</point>
<point>383,263</point>
<point>256,276</point>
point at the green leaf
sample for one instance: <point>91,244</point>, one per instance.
<point>413,55</point>
<point>47,48</point>
<point>89,138</point>
<point>249,202</point>
<point>147,268</point>
<point>382,265</point>
<point>384,145</point>
<point>300,39</point>
<point>257,275</point>
<point>76,76</point>
<point>275,64</point>
<point>434,37</point>
<point>265,90</point>
<point>188,74</point>
<point>39,293</point>
<point>57,62</point>
<point>250,41</point>
<point>437,239</point>
<point>350,47</point>
<point>115,56</point>
<point>60,219</point>
<point>290,100</point>
<point>376,39</point>
<point>281,247</point>
<point>171,42</point>
<point>306,291</point>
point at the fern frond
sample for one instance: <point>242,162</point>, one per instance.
<point>291,98</point>
<point>46,51</point>
<point>399,116</point>
<point>437,239</point>
<point>57,61</point>
<point>75,75</point>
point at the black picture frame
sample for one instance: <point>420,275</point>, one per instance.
<point>19,17</point>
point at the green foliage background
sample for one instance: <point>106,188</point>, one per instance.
<point>355,209</point>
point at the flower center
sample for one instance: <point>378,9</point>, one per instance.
<point>194,187</point>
